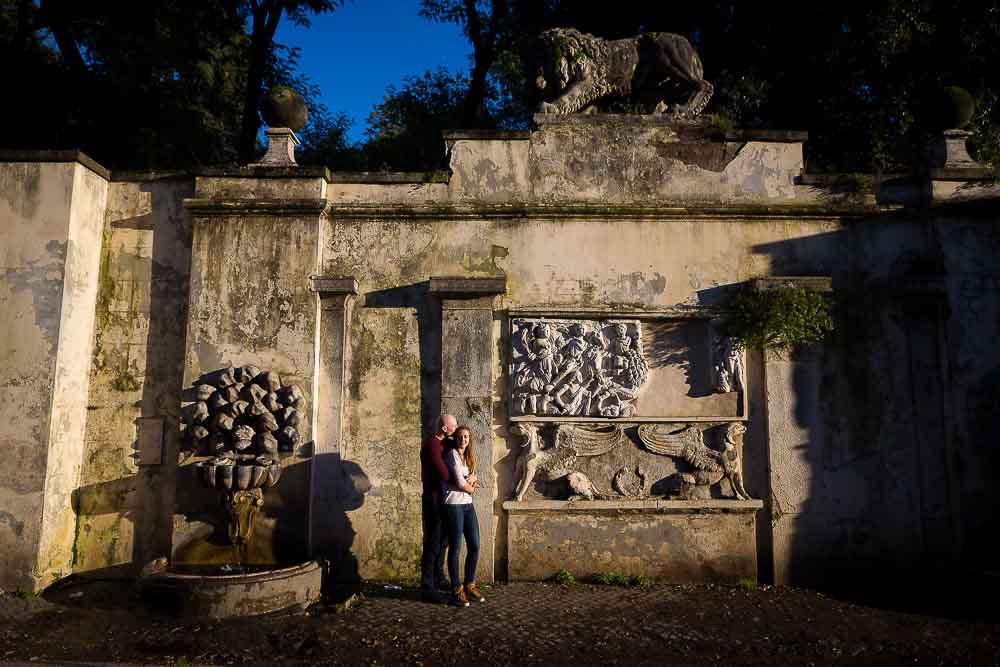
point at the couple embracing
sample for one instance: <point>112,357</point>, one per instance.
<point>448,473</point>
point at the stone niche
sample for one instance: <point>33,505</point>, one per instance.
<point>629,440</point>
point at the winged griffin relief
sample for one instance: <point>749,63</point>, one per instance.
<point>571,443</point>
<point>710,466</point>
<point>576,367</point>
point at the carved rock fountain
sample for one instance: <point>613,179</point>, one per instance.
<point>243,419</point>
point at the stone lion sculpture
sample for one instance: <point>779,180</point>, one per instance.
<point>578,69</point>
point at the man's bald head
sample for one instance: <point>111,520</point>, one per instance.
<point>447,424</point>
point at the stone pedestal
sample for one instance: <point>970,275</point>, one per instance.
<point>281,143</point>
<point>681,541</point>
<point>467,384</point>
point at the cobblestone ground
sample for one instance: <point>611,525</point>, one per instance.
<point>522,624</point>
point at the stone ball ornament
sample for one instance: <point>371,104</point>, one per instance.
<point>283,107</point>
<point>952,108</point>
<point>244,418</point>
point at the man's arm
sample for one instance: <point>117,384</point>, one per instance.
<point>436,452</point>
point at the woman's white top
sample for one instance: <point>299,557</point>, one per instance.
<point>457,471</point>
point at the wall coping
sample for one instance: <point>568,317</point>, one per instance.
<point>388,177</point>
<point>73,155</point>
<point>810,283</point>
<point>605,211</point>
<point>228,206</point>
<point>258,171</point>
<point>326,285</point>
<point>696,129</point>
<point>714,505</point>
<point>464,286</point>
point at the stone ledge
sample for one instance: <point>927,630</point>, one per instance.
<point>389,177</point>
<point>659,506</point>
<point>214,206</point>
<point>810,283</point>
<point>258,171</point>
<point>961,174</point>
<point>332,285</point>
<point>30,155</point>
<point>692,129</point>
<point>486,135</point>
<point>451,285</point>
<point>720,212</point>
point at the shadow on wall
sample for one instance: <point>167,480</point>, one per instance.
<point>869,474</point>
<point>146,498</point>
<point>344,485</point>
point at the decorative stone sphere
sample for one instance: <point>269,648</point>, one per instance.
<point>283,107</point>
<point>953,108</point>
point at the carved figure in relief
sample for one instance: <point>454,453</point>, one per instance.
<point>729,367</point>
<point>583,487</point>
<point>578,69</point>
<point>571,442</point>
<point>573,369</point>
<point>710,465</point>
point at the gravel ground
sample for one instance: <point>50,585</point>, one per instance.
<point>523,624</point>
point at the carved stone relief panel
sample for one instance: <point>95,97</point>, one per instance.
<point>627,461</point>
<point>576,367</point>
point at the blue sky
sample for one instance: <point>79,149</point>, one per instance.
<point>355,52</point>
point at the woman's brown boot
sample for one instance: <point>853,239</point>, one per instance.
<point>472,593</point>
<point>458,598</point>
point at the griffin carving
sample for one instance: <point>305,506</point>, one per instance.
<point>578,69</point>
<point>555,462</point>
<point>710,466</point>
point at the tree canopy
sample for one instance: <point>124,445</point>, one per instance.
<point>136,86</point>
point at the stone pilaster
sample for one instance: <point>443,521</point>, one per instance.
<point>467,384</point>
<point>326,525</point>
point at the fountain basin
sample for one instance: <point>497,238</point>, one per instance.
<point>228,595</point>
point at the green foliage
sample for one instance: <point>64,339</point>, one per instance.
<point>778,318</point>
<point>404,129</point>
<point>615,579</point>
<point>746,583</point>
<point>25,595</point>
<point>564,578</point>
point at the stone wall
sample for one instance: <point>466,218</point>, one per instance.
<point>52,213</point>
<point>390,297</point>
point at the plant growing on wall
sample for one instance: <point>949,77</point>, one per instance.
<point>778,318</point>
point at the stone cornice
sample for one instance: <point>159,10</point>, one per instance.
<point>207,206</point>
<point>26,155</point>
<point>462,286</point>
<point>333,285</point>
<point>722,212</point>
<point>646,505</point>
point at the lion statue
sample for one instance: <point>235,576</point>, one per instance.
<point>578,69</point>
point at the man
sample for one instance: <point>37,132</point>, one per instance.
<point>433,472</point>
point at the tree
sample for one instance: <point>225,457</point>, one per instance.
<point>265,15</point>
<point>404,129</point>
<point>487,24</point>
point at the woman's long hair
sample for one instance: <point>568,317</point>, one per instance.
<point>470,455</point>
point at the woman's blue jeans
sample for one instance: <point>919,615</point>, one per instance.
<point>461,520</point>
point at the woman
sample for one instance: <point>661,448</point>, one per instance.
<point>460,516</point>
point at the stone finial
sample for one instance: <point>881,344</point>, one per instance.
<point>285,112</point>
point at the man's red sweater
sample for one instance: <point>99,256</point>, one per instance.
<point>433,470</point>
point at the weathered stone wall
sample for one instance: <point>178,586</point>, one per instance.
<point>875,450</point>
<point>52,213</point>
<point>124,502</point>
